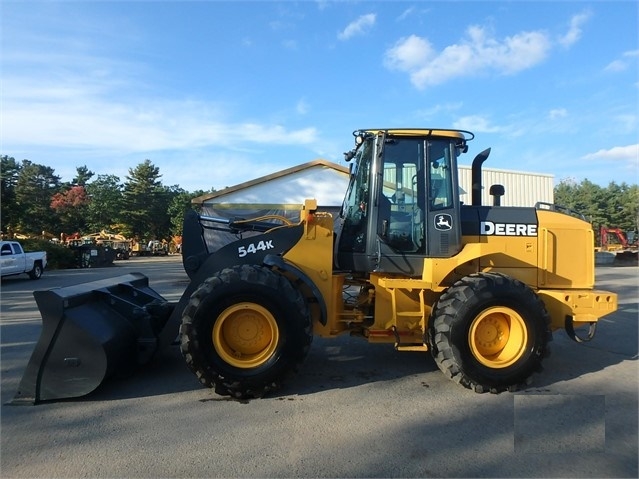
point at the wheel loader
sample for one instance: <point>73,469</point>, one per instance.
<point>482,287</point>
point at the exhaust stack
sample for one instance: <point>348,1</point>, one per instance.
<point>476,176</point>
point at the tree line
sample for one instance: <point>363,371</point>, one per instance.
<point>613,206</point>
<point>35,200</point>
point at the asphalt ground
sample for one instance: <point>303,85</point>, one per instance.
<point>354,410</point>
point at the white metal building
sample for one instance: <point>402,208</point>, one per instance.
<point>327,182</point>
<point>521,188</point>
<point>319,179</point>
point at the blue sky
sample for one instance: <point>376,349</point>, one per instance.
<point>216,93</point>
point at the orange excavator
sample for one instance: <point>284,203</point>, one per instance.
<point>615,240</point>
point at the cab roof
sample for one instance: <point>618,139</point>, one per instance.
<point>450,133</point>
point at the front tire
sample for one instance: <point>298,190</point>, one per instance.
<point>245,330</point>
<point>489,332</point>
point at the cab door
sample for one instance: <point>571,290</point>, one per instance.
<point>443,225</point>
<point>418,213</point>
<point>8,261</point>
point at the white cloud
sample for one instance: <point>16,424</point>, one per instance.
<point>574,30</point>
<point>476,124</point>
<point>628,153</point>
<point>409,54</point>
<point>557,113</point>
<point>476,53</point>
<point>624,161</point>
<point>627,122</point>
<point>616,66</point>
<point>622,64</point>
<point>438,110</point>
<point>290,44</point>
<point>75,116</point>
<point>406,13</point>
<point>302,107</point>
<point>359,27</point>
<point>413,13</point>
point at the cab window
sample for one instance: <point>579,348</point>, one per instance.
<point>355,208</point>
<point>401,211</point>
<point>439,164</point>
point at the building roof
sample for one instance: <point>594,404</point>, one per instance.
<point>304,176</point>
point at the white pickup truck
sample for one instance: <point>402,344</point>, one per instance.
<point>13,260</point>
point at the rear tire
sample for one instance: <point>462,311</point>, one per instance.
<point>489,332</point>
<point>245,330</point>
<point>36,272</point>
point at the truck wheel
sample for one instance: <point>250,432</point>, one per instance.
<point>36,272</point>
<point>245,330</point>
<point>489,332</point>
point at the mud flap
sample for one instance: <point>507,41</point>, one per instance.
<point>90,332</point>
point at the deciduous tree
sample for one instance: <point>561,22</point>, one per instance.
<point>71,207</point>
<point>179,204</point>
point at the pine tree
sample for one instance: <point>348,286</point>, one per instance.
<point>35,186</point>
<point>9,171</point>
<point>146,202</point>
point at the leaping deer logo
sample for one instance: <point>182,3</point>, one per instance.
<point>443,222</point>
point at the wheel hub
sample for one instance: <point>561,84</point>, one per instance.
<point>491,334</point>
<point>498,337</point>
<point>245,335</point>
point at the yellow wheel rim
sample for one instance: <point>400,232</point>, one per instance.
<point>498,337</point>
<point>245,335</point>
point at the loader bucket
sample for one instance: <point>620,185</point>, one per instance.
<point>90,332</point>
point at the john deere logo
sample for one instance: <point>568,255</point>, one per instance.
<point>443,222</point>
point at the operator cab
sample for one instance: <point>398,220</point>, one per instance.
<point>402,202</point>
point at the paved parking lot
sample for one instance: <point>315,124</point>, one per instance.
<point>355,410</point>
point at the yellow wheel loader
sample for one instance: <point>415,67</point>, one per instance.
<point>482,287</point>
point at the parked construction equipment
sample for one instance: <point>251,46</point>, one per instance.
<point>480,287</point>
<point>152,248</point>
<point>117,242</point>
<point>622,247</point>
